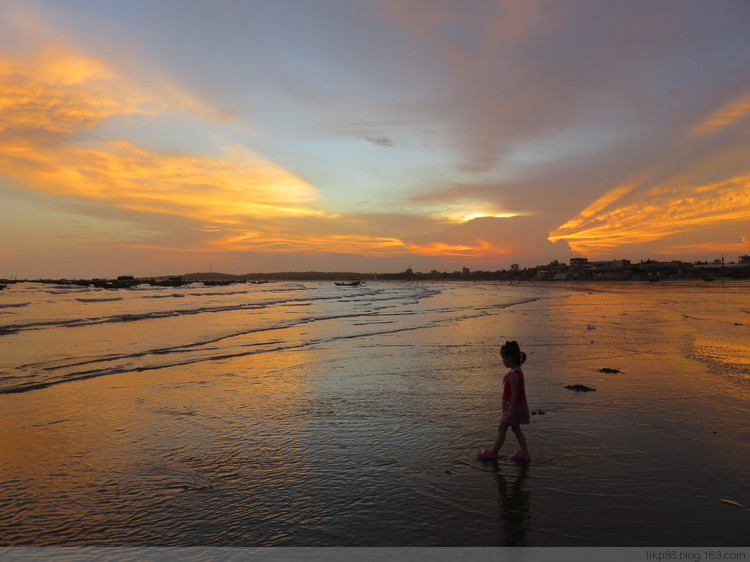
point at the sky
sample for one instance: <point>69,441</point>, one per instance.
<point>158,137</point>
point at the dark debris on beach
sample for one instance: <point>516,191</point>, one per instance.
<point>580,388</point>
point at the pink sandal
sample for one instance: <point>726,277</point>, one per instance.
<point>519,456</point>
<point>486,455</point>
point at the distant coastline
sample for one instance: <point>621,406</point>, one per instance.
<point>579,269</point>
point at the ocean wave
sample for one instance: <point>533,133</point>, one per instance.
<point>226,294</point>
<point>206,353</point>
<point>70,371</point>
<point>68,290</point>
<point>375,299</point>
<point>15,305</point>
<point>376,306</point>
<point>152,315</point>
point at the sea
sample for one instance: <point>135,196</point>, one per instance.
<point>310,414</point>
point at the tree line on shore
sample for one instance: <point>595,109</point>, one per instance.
<point>581,270</point>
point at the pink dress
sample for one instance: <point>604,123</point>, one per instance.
<point>521,414</point>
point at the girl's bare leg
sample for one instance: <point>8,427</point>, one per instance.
<point>502,429</point>
<point>521,439</point>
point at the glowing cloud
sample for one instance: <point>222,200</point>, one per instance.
<point>598,206</point>
<point>724,117</point>
<point>739,247</point>
<point>371,246</point>
<point>61,92</point>
<point>259,241</point>
<point>48,98</point>
<point>467,136</point>
<point>463,217</point>
<point>481,249</point>
<point>654,214</point>
<point>447,207</point>
<point>130,177</point>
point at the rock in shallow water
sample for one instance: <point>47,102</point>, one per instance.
<point>580,388</point>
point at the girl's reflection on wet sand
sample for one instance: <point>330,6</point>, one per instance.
<point>514,500</point>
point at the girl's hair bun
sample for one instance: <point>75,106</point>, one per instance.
<point>511,349</point>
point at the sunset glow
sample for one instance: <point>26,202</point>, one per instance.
<point>655,214</point>
<point>726,116</point>
<point>487,135</point>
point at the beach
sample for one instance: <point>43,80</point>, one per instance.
<point>306,414</point>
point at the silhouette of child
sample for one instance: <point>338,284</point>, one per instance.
<point>515,408</point>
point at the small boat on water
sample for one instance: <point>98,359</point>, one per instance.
<point>349,284</point>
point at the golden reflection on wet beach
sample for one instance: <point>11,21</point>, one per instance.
<point>355,420</point>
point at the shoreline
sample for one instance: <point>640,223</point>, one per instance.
<point>107,283</point>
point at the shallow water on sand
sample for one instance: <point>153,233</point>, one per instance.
<point>304,414</point>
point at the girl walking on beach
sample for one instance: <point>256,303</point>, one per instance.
<point>515,408</point>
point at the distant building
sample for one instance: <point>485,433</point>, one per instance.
<point>514,268</point>
<point>744,259</point>
<point>579,263</point>
<point>614,265</point>
<point>553,270</point>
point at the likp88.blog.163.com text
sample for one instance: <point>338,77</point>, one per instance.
<point>695,555</point>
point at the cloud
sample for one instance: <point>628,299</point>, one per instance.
<point>382,141</point>
<point>48,98</point>
<point>506,119</point>
<point>725,116</point>
<point>347,235</point>
<point>655,213</point>
<point>54,93</point>
<point>237,184</point>
<point>598,206</point>
<point>597,74</point>
<point>741,247</point>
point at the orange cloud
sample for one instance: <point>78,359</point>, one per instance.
<point>47,98</point>
<point>371,246</point>
<point>599,205</point>
<point>124,175</point>
<point>363,245</point>
<point>62,92</point>
<point>656,213</point>
<point>480,249</point>
<point>724,117</point>
<point>259,241</point>
<point>738,247</point>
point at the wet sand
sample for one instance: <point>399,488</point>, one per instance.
<point>371,440</point>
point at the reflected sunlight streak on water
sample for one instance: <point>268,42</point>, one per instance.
<point>306,414</point>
